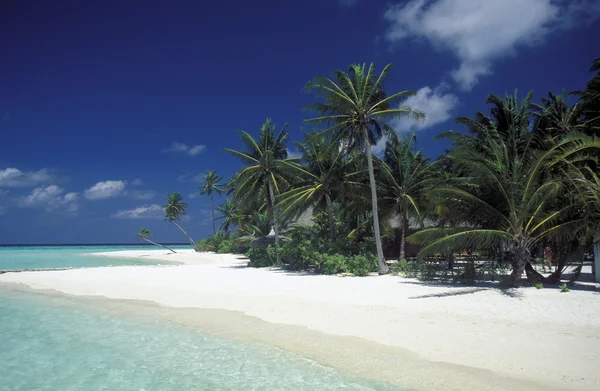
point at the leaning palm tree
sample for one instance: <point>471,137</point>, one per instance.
<point>211,184</point>
<point>174,210</point>
<point>145,233</point>
<point>405,179</point>
<point>356,109</point>
<point>320,177</point>
<point>267,169</point>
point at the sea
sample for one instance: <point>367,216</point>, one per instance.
<point>50,342</point>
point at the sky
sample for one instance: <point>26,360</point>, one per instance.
<point>105,107</point>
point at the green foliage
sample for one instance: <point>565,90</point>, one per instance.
<point>564,288</point>
<point>400,267</point>
<point>539,285</point>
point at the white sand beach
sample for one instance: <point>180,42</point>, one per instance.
<point>406,332</point>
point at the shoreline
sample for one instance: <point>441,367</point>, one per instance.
<point>463,337</point>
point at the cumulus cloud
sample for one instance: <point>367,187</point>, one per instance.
<point>137,182</point>
<point>13,177</point>
<point>153,211</point>
<point>104,190</point>
<point>480,32</point>
<point>190,150</point>
<point>52,198</point>
<point>436,105</point>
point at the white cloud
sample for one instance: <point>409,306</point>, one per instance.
<point>479,32</point>
<point>153,211</point>
<point>142,194</point>
<point>137,182</point>
<point>190,150</point>
<point>52,198</point>
<point>106,189</point>
<point>185,178</point>
<point>436,105</point>
<point>293,154</point>
<point>191,196</point>
<point>13,177</point>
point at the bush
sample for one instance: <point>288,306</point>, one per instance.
<point>332,264</point>
<point>400,267</point>
<point>539,285</point>
<point>357,265</point>
<point>564,288</point>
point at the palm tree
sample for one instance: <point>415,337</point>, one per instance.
<point>267,170</point>
<point>510,188</point>
<point>321,177</point>
<point>230,214</point>
<point>356,109</point>
<point>405,178</point>
<point>590,101</point>
<point>174,210</point>
<point>211,184</point>
<point>145,233</point>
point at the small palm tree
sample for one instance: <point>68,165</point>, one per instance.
<point>211,184</point>
<point>321,177</point>
<point>230,214</point>
<point>267,169</point>
<point>145,233</point>
<point>174,210</point>
<point>405,179</point>
<point>356,109</point>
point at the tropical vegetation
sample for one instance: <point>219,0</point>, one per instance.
<point>520,182</point>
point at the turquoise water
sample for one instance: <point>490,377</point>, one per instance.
<point>42,257</point>
<point>50,344</point>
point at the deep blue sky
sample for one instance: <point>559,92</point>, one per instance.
<point>99,91</point>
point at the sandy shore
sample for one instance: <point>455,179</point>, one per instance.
<point>403,331</point>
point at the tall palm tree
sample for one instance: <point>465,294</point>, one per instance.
<point>405,178</point>
<point>267,168</point>
<point>590,101</point>
<point>324,166</point>
<point>174,210</point>
<point>356,109</point>
<point>145,233</point>
<point>211,184</point>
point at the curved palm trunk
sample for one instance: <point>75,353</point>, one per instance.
<point>330,215</point>
<point>160,245</point>
<point>382,266</point>
<point>186,234</point>
<point>212,207</point>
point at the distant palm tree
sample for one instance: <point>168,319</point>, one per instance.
<point>267,168</point>
<point>174,210</point>
<point>405,179</point>
<point>357,110</point>
<point>145,233</point>
<point>211,184</point>
<point>230,214</point>
<point>590,101</point>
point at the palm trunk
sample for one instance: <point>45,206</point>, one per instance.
<point>382,266</point>
<point>186,234</point>
<point>275,224</point>
<point>331,222</point>
<point>212,207</point>
<point>521,256</point>
<point>450,259</point>
<point>403,228</point>
<point>160,245</point>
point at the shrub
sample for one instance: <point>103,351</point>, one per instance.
<point>539,285</point>
<point>361,265</point>
<point>332,264</point>
<point>564,288</point>
<point>400,267</point>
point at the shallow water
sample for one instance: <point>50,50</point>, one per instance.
<point>51,344</point>
<point>44,257</point>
